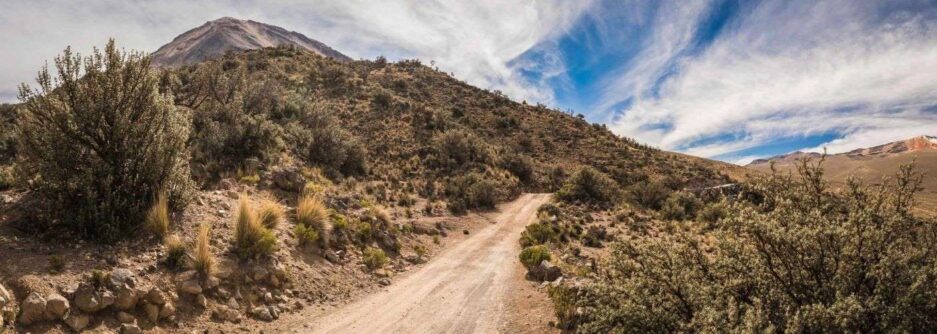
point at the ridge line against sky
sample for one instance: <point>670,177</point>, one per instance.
<point>731,80</point>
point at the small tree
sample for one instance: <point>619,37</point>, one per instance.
<point>102,141</point>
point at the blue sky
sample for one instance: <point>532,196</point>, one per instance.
<point>729,80</point>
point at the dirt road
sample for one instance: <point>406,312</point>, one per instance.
<point>461,290</point>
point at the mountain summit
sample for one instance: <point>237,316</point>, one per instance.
<point>214,38</point>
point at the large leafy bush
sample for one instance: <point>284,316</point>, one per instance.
<point>102,141</point>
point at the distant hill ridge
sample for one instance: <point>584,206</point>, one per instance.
<point>215,38</point>
<point>915,144</point>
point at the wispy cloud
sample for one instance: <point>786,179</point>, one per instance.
<point>475,40</point>
<point>783,69</point>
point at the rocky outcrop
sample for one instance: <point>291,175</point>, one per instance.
<point>545,271</point>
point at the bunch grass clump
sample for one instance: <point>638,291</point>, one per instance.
<point>251,238</point>
<point>313,215</point>
<point>270,213</point>
<point>374,258</point>
<point>157,218</point>
<point>175,251</point>
<point>203,260</point>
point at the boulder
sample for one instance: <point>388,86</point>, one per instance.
<point>32,309</point>
<point>57,307</point>
<point>331,256</point>
<point>156,296</point>
<point>152,312</point>
<point>259,273</point>
<point>191,286</point>
<point>262,313</point>
<point>289,179</point>
<point>130,329</point>
<point>125,318</point>
<point>126,298</point>
<point>167,311</point>
<point>210,283</point>
<point>77,322</point>
<point>546,271</point>
<point>121,278</point>
<point>201,300</point>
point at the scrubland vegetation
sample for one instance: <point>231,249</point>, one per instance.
<point>785,253</point>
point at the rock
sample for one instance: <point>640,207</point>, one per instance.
<point>262,313</point>
<point>125,318</point>
<point>201,300</point>
<point>121,278</point>
<point>167,311</point>
<point>274,312</point>
<point>88,299</point>
<point>223,293</point>
<point>546,271</point>
<point>233,303</point>
<point>130,329</point>
<point>232,194</point>
<point>191,287</point>
<point>289,179</point>
<point>210,283</point>
<point>107,298</point>
<point>77,322</point>
<point>126,298</point>
<point>466,232</point>
<point>384,281</point>
<point>274,281</point>
<point>232,315</point>
<point>156,296</point>
<point>32,309</point>
<point>152,312</point>
<point>56,307</point>
<point>268,298</point>
<point>381,273</point>
<point>259,273</point>
<point>331,256</point>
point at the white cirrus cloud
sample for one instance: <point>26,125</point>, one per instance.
<point>786,69</point>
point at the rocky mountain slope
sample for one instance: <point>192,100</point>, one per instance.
<point>214,38</point>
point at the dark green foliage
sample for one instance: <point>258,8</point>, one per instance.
<point>540,233</point>
<point>479,190</point>
<point>457,149</point>
<point>318,138</point>
<point>713,212</point>
<point>804,258</point>
<point>522,166</point>
<point>649,194</point>
<point>680,205</point>
<point>102,142</point>
<point>7,134</point>
<point>533,255</point>
<point>590,186</point>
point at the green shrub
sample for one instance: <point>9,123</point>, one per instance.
<point>99,159</point>
<point>803,258</point>
<point>539,233</point>
<point>456,149</point>
<point>374,258</point>
<point>7,135</point>
<point>533,255</point>
<point>522,166</point>
<point>589,185</point>
<point>649,194</point>
<point>318,138</point>
<point>713,212</point>
<point>312,214</point>
<point>680,206</point>
<point>306,235</point>
<point>471,191</point>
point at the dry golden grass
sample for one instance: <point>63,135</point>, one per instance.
<point>251,238</point>
<point>175,251</point>
<point>311,212</point>
<point>270,213</point>
<point>203,261</point>
<point>157,219</point>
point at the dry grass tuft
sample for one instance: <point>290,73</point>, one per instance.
<point>175,251</point>
<point>312,213</point>
<point>270,213</point>
<point>157,219</point>
<point>203,261</point>
<point>251,238</point>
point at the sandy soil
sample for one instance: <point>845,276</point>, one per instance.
<point>466,288</point>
